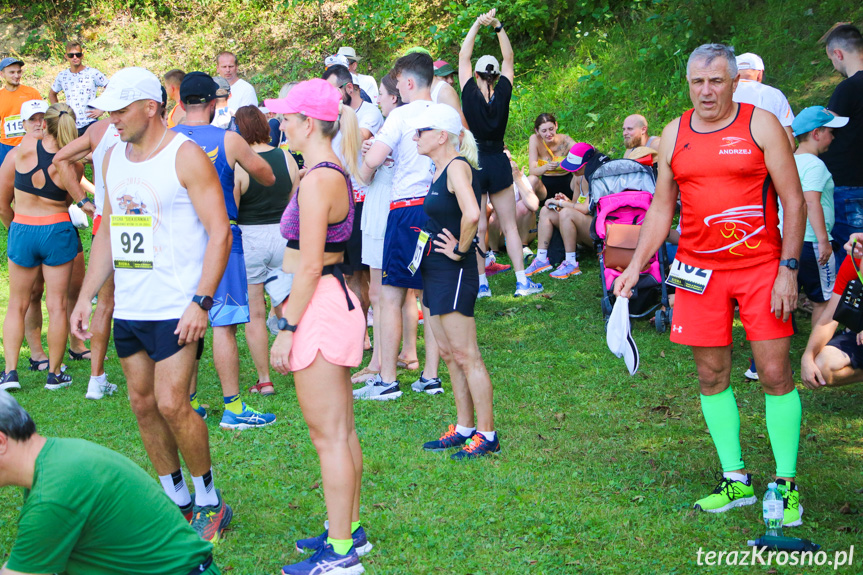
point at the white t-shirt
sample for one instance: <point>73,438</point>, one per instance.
<point>370,118</point>
<point>765,97</point>
<point>80,89</point>
<point>413,172</point>
<point>370,86</point>
<point>242,94</point>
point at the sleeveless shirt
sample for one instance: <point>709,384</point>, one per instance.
<point>262,205</point>
<point>212,141</point>
<point>109,138</point>
<point>50,191</point>
<point>729,214</point>
<point>179,238</point>
<point>337,233</point>
<point>441,206</point>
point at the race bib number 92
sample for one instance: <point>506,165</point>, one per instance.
<point>132,242</point>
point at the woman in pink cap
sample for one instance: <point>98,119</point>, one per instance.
<point>320,332</point>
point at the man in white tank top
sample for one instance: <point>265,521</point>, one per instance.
<point>98,138</point>
<point>168,251</point>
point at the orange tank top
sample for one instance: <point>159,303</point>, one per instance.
<point>729,210</point>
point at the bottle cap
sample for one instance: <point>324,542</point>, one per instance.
<point>771,485</point>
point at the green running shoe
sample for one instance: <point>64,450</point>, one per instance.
<point>791,500</point>
<point>727,495</point>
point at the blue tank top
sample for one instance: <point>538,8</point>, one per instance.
<point>212,141</point>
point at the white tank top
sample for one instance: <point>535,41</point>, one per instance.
<point>179,238</point>
<point>109,138</point>
<point>435,91</point>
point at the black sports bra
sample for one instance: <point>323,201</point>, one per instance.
<point>24,182</point>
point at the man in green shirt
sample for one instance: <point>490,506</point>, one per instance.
<point>89,510</point>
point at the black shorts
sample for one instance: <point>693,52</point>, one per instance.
<point>557,185</point>
<point>81,131</point>
<point>157,338</point>
<point>450,286</point>
<point>354,247</point>
<point>847,342</point>
<point>494,175</point>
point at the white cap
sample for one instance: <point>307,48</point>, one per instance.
<point>336,59</point>
<point>483,63</point>
<point>437,117</point>
<point>127,86</point>
<point>618,335</point>
<point>264,109</point>
<point>31,107</point>
<point>355,79</point>
<point>749,61</point>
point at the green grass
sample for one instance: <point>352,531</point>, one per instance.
<point>597,474</point>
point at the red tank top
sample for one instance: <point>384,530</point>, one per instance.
<point>730,215</point>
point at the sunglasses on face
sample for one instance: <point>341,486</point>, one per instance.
<point>421,130</point>
<point>75,54</point>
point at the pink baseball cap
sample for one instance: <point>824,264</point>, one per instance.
<point>578,156</point>
<point>316,99</point>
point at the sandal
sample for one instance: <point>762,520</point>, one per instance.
<point>83,356</point>
<point>259,388</point>
<point>42,365</point>
<point>363,375</point>
<point>408,365</point>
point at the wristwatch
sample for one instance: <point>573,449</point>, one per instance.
<point>285,326</point>
<point>205,301</point>
<point>791,264</point>
<point>498,29</point>
<point>84,201</point>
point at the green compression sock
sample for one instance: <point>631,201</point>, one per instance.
<point>340,546</point>
<point>783,413</point>
<point>723,421</point>
<point>233,403</point>
<point>354,526</point>
<point>193,399</point>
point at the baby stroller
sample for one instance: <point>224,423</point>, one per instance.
<point>620,194</point>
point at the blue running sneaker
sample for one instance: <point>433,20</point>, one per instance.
<point>55,381</point>
<point>484,291</point>
<point>528,288</point>
<point>537,266</point>
<point>431,386</point>
<point>564,270</point>
<point>201,411</point>
<point>451,438</point>
<point>361,542</point>
<point>326,560</point>
<point>248,419</point>
<point>477,447</point>
<point>9,380</point>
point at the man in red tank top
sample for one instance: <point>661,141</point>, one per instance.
<point>728,162</point>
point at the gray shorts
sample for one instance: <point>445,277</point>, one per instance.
<point>264,250</point>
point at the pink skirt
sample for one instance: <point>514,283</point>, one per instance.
<point>330,328</point>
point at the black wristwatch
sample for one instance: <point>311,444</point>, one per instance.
<point>84,201</point>
<point>498,29</point>
<point>791,264</point>
<point>285,326</point>
<point>205,301</point>
<point>458,253</point>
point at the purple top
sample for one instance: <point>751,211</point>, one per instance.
<point>337,234</point>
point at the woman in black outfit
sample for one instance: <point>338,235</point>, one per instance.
<point>450,277</point>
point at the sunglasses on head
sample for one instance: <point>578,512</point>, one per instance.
<point>75,54</point>
<point>421,130</point>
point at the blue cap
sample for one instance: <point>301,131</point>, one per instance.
<point>9,61</point>
<point>816,117</point>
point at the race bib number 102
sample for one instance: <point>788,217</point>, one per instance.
<point>689,278</point>
<point>132,242</point>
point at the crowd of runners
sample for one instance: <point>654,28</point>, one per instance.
<point>349,203</point>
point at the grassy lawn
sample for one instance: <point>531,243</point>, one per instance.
<point>597,474</point>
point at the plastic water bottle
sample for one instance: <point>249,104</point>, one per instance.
<point>773,510</point>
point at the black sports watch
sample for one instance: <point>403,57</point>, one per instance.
<point>498,29</point>
<point>84,201</point>
<point>205,301</point>
<point>791,264</point>
<point>285,326</point>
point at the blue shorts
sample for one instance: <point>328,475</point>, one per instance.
<point>156,338</point>
<point>403,228</point>
<point>847,342</point>
<point>30,246</point>
<point>231,300</point>
<point>817,280</point>
<point>5,149</point>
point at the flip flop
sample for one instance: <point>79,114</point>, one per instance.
<point>407,364</point>
<point>363,375</point>
<point>259,388</point>
<point>83,356</point>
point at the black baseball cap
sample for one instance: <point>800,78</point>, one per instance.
<point>197,88</point>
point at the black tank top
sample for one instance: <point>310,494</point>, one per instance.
<point>262,205</point>
<point>50,191</point>
<point>441,206</point>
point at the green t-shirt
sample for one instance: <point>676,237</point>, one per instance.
<point>814,177</point>
<point>93,511</point>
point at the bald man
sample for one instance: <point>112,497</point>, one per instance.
<point>635,134</point>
